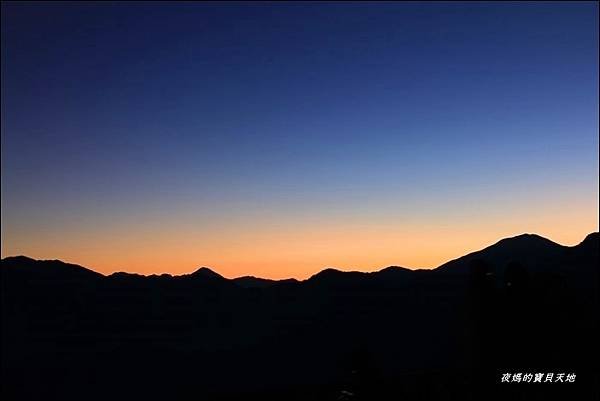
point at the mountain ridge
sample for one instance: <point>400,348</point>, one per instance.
<point>516,244</point>
<point>124,328</point>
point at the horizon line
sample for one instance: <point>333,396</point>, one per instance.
<point>323,269</point>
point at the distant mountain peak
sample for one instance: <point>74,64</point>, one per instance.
<point>19,258</point>
<point>527,249</point>
<point>394,269</point>
<point>253,282</point>
<point>527,238</point>
<point>328,272</point>
<point>206,272</point>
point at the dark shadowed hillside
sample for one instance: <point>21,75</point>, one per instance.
<point>524,304</point>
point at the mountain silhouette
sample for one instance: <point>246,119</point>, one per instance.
<point>257,282</point>
<point>522,304</point>
<point>531,249</point>
<point>47,269</point>
<point>207,273</point>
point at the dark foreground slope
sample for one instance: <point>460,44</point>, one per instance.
<point>524,304</point>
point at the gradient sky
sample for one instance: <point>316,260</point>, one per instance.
<point>279,139</point>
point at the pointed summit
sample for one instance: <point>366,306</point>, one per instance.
<point>206,272</point>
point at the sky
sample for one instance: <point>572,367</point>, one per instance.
<point>276,140</point>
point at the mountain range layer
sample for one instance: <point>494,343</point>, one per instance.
<point>524,304</point>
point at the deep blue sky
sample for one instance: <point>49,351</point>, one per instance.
<point>203,115</point>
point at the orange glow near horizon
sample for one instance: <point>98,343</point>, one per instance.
<point>198,135</point>
<point>299,249</point>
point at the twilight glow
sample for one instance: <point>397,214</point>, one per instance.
<point>279,139</point>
